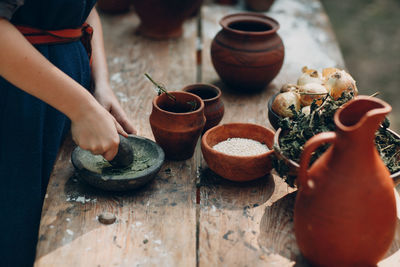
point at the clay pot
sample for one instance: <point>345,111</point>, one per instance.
<point>247,53</point>
<point>238,168</point>
<point>114,6</point>
<point>161,19</point>
<point>213,105</point>
<point>259,5</point>
<point>175,127</point>
<point>345,211</point>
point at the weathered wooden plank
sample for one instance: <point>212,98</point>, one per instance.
<point>155,224</point>
<point>252,224</point>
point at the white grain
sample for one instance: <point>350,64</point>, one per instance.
<point>241,147</point>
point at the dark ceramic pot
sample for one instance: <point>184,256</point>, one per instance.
<point>161,19</point>
<point>259,5</point>
<point>247,53</point>
<point>175,127</point>
<point>213,105</point>
<point>114,6</point>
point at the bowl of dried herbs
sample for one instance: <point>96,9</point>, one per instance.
<point>294,132</point>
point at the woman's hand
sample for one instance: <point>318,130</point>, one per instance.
<point>106,97</point>
<point>97,130</point>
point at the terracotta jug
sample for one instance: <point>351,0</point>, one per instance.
<point>247,53</point>
<point>213,105</point>
<point>175,127</point>
<point>345,211</point>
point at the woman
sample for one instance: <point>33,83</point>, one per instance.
<point>43,94</point>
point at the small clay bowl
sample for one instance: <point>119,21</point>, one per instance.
<point>96,171</point>
<point>294,166</point>
<point>213,105</point>
<point>272,116</point>
<point>238,168</point>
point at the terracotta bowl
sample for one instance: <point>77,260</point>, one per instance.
<point>96,171</point>
<point>213,105</point>
<point>272,116</point>
<point>294,166</point>
<point>238,168</point>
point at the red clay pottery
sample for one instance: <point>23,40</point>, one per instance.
<point>161,19</point>
<point>237,168</point>
<point>114,6</point>
<point>175,127</point>
<point>345,211</point>
<point>247,53</point>
<point>213,105</point>
<point>259,5</point>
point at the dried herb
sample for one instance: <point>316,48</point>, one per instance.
<point>297,130</point>
<point>160,88</point>
<point>193,105</point>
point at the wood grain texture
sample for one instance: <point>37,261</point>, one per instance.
<point>234,224</point>
<point>156,224</point>
<point>251,224</point>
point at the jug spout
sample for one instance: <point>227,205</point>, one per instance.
<point>363,114</point>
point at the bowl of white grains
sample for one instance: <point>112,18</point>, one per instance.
<point>238,151</point>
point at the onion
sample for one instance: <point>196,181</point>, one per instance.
<point>312,91</point>
<point>287,87</point>
<point>309,76</point>
<point>283,101</point>
<point>306,110</point>
<point>340,81</point>
<point>328,72</point>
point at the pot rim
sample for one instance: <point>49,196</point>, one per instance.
<point>207,86</point>
<point>249,16</point>
<point>200,109</point>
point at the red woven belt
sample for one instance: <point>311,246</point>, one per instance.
<point>38,36</point>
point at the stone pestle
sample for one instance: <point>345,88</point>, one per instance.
<point>124,156</point>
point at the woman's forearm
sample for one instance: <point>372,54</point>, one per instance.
<point>22,65</point>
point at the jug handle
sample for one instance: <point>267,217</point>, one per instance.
<point>311,145</point>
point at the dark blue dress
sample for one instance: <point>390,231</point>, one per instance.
<point>31,131</point>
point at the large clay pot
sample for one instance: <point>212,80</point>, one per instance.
<point>345,211</point>
<point>259,5</point>
<point>175,127</point>
<point>213,105</point>
<point>161,19</point>
<point>247,53</point>
<point>114,6</point>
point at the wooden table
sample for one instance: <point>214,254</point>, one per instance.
<point>187,216</point>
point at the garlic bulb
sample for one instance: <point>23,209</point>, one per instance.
<point>283,101</point>
<point>340,81</point>
<point>312,91</point>
<point>309,76</point>
<point>306,110</point>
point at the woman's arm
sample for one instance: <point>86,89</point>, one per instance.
<point>92,126</point>
<point>103,91</point>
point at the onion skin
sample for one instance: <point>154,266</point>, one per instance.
<point>339,82</point>
<point>283,101</point>
<point>309,76</point>
<point>312,91</point>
